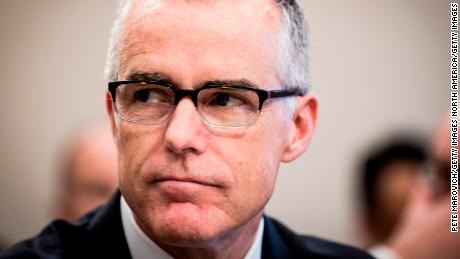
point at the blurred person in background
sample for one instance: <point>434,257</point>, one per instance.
<point>388,174</point>
<point>423,230</point>
<point>88,173</point>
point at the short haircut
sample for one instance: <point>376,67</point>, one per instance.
<point>397,149</point>
<point>292,67</point>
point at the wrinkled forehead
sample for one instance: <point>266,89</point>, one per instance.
<point>241,19</point>
<point>215,33</point>
<point>229,13</point>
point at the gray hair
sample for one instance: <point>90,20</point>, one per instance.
<point>292,64</point>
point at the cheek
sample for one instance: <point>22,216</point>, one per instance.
<point>255,185</point>
<point>267,142</point>
<point>267,145</point>
<point>135,144</point>
<point>253,160</point>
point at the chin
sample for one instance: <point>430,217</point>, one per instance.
<point>186,238</point>
<point>187,225</point>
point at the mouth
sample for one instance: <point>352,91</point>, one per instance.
<point>178,180</point>
<point>185,190</point>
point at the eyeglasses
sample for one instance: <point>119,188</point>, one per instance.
<point>153,102</point>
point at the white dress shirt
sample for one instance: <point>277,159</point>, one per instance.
<point>141,247</point>
<point>382,251</point>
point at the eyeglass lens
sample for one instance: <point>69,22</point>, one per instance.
<point>153,104</point>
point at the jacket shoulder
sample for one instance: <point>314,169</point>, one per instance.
<point>98,234</point>
<point>52,242</point>
<point>288,244</point>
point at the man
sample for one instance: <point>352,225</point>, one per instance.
<point>207,99</point>
<point>424,228</point>
<point>388,174</point>
<point>88,172</point>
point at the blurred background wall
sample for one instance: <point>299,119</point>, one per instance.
<point>377,67</point>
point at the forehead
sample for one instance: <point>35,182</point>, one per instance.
<point>202,39</point>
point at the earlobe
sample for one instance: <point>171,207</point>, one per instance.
<point>304,121</point>
<point>111,112</point>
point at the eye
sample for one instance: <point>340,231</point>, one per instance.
<point>150,95</point>
<point>226,99</point>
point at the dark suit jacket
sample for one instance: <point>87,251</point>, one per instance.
<point>99,234</point>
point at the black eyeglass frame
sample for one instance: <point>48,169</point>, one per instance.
<point>180,93</point>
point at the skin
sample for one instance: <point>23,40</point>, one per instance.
<point>424,229</point>
<point>90,176</point>
<point>195,190</point>
<point>392,193</point>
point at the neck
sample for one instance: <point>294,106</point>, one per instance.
<point>234,244</point>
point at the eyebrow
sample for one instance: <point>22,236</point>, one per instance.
<point>151,76</point>
<point>238,82</point>
<point>165,78</point>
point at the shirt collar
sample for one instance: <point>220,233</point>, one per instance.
<point>142,247</point>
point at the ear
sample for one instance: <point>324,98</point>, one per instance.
<point>304,124</point>
<point>111,112</point>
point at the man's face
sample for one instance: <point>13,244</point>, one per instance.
<point>92,178</point>
<point>187,182</point>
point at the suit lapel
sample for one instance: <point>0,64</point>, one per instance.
<point>273,246</point>
<point>106,234</point>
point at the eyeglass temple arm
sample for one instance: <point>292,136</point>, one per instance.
<point>287,92</point>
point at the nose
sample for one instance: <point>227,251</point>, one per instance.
<point>185,131</point>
